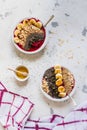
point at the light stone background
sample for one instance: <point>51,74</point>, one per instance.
<point>66,45</point>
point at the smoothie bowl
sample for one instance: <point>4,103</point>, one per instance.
<point>29,36</point>
<point>58,83</point>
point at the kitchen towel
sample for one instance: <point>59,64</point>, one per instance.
<point>15,111</point>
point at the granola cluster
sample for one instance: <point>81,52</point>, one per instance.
<point>58,82</point>
<point>26,28</point>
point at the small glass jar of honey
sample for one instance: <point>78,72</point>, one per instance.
<point>21,73</point>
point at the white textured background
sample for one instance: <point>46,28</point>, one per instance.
<point>66,45</point>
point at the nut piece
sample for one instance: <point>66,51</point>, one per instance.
<point>16,32</point>
<point>61,89</point>
<point>45,86</point>
<point>62,94</point>
<point>16,40</point>
<point>59,82</point>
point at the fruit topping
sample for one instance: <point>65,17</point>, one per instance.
<point>61,89</point>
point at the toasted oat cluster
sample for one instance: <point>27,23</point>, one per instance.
<point>58,82</point>
<point>28,32</point>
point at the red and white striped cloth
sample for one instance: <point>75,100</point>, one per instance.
<point>15,111</point>
<point>75,120</point>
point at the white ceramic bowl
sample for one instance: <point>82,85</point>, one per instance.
<point>30,52</point>
<point>21,68</point>
<point>58,99</point>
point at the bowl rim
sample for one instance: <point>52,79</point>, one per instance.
<point>29,52</point>
<point>19,79</point>
<point>57,99</point>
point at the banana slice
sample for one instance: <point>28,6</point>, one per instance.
<point>57,67</point>
<point>32,21</point>
<point>58,76</point>
<point>19,26</point>
<point>59,82</point>
<point>25,22</point>
<point>39,24</point>
<point>61,89</point>
<point>58,71</point>
<point>62,94</point>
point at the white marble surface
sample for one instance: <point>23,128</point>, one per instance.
<point>66,45</point>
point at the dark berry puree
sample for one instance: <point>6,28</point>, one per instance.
<point>35,45</point>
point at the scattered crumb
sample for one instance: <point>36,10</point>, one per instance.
<point>61,41</point>
<point>65,24</point>
<point>51,32</point>
<point>69,54</point>
<point>70,57</point>
<point>71,35</point>
<point>78,62</point>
